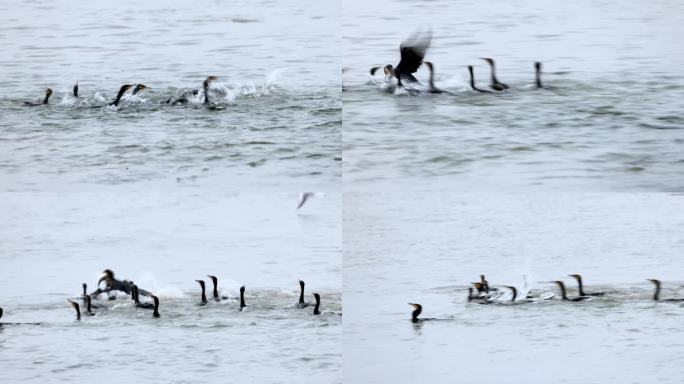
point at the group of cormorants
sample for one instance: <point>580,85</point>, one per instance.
<point>481,293</point>
<point>182,97</point>
<point>126,286</point>
<point>413,52</point>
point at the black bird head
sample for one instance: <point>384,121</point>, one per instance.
<point>107,275</point>
<point>139,87</point>
<point>201,283</point>
<point>213,279</point>
<point>301,283</point>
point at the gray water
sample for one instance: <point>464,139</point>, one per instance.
<point>282,119</point>
<point>426,248</point>
<point>164,195</point>
<point>611,119</point>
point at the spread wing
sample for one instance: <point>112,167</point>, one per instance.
<point>413,51</point>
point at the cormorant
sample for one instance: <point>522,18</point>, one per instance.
<point>412,52</point>
<point>217,297</point>
<point>205,87</point>
<point>301,303</point>
<point>242,298</point>
<point>656,294</point>
<point>89,310</point>
<point>303,197</point>
<point>564,295</point>
<point>122,90</point>
<point>494,84</point>
<point>139,87</point>
<point>112,284</point>
<point>318,304</point>
<point>431,81</point>
<point>75,89</point>
<point>136,299</point>
<point>204,296</point>
<point>48,93</point>
<point>77,308</point>
<point>537,74</point>
<point>156,306</point>
<point>581,287</point>
<point>472,82</point>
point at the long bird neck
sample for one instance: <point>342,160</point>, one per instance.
<point>215,292</point>
<point>416,313</point>
<point>155,313</point>
<point>84,289</point>
<point>204,295</point>
<point>562,289</point>
<point>317,306</point>
<point>242,299</point>
<point>538,77</point>
<point>656,294</point>
<point>206,93</point>
<point>493,75</point>
<point>301,294</point>
<point>581,286</point>
<point>118,97</point>
<point>472,79</point>
<point>515,294</point>
<point>78,312</point>
<point>47,96</point>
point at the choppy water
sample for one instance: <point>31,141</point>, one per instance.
<point>163,241</point>
<point>281,123</point>
<point>164,195</point>
<point>612,120</point>
<point>426,247</point>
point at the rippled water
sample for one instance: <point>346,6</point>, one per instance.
<point>164,194</point>
<point>164,241</point>
<point>282,124</point>
<point>426,247</point>
<point>611,119</point>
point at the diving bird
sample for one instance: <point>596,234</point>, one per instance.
<point>242,298</point>
<point>48,93</point>
<point>494,84</point>
<point>77,308</point>
<point>412,52</point>
<point>656,294</point>
<point>318,304</point>
<point>204,296</point>
<point>537,74</point>
<point>217,297</point>
<point>301,303</point>
<point>472,82</point>
<point>564,296</point>
<point>156,306</point>
<point>581,287</point>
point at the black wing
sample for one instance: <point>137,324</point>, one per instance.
<point>413,51</point>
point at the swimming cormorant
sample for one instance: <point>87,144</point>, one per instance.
<point>204,296</point>
<point>431,81</point>
<point>136,299</point>
<point>242,298</point>
<point>77,308</point>
<point>156,306</point>
<point>416,312</point>
<point>564,296</point>
<point>48,93</point>
<point>656,294</point>
<point>122,90</point>
<point>318,304</point>
<point>581,287</point>
<point>75,89</point>
<point>217,297</point>
<point>472,82</point>
<point>138,88</point>
<point>205,87</point>
<point>495,84</point>
<point>537,74</point>
<point>301,303</point>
